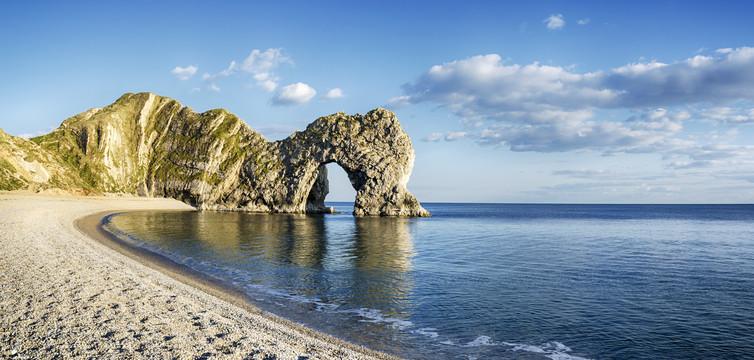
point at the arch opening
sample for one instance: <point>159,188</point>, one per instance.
<point>334,185</point>
<point>341,188</point>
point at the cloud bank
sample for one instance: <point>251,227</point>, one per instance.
<point>536,107</point>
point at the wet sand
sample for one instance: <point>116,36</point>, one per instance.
<point>68,289</point>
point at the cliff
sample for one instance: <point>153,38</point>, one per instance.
<point>153,146</point>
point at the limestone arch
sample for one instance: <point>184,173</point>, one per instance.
<point>373,150</point>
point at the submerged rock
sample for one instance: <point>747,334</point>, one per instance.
<point>153,146</point>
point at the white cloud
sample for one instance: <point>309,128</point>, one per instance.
<point>262,64</point>
<point>699,60</point>
<point>293,94</point>
<point>230,70</point>
<point>583,174</point>
<point>659,119</point>
<point>712,155</point>
<point>455,135</point>
<point>637,69</point>
<point>266,81</point>
<point>606,136</point>
<point>265,61</point>
<point>334,93</point>
<point>449,136</point>
<point>433,137</point>
<point>555,22</point>
<point>583,21</point>
<point>398,101</point>
<point>213,87</point>
<point>184,73</point>
<point>729,115</point>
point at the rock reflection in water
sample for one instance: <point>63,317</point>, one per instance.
<point>362,262</point>
<point>383,244</point>
<point>383,250</point>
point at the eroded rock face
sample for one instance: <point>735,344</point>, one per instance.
<point>25,165</point>
<point>372,149</point>
<point>153,146</point>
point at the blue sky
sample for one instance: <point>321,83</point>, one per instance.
<point>559,101</point>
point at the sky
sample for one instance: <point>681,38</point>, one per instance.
<point>552,101</point>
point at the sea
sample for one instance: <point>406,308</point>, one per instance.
<point>487,281</point>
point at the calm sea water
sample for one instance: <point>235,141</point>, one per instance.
<point>489,280</point>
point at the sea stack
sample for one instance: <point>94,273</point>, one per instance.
<point>151,145</point>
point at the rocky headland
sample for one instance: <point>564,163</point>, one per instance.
<point>153,146</point>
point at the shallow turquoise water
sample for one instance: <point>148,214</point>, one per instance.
<point>489,280</point>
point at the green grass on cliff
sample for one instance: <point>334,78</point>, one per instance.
<point>8,181</point>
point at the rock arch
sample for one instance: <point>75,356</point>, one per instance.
<point>372,149</point>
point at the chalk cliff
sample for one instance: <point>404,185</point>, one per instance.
<point>151,145</point>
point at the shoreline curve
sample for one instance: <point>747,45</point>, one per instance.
<point>92,226</point>
<point>68,289</point>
